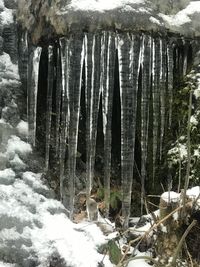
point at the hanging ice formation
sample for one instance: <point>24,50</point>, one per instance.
<point>146,66</point>
<point>92,96</point>
<point>107,83</point>
<point>32,88</point>
<point>144,63</point>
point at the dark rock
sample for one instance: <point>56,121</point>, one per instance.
<point>11,4</point>
<point>10,41</point>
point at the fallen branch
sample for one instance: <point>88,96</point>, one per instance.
<point>193,223</point>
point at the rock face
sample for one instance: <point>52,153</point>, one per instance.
<point>44,19</point>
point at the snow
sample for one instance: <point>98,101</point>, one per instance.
<point>17,162</point>
<point>183,16</point>
<point>139,262</point>
<point>7,173</point>
<point>33,223</point>
<point>6,16</point>
<point>22,128</point>
<point>180,150</point>
<point>7,67</point>
<point>194,192</point>
<point>170,196</point>
<point>101,5</point>
<point>16,145</point>
<point>77,244</point>
<point>197,90</point>
<point>2,264</point>
<point>154,20</point>
<point>193,120</point>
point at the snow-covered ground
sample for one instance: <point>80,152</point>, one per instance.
<point>34,227</point>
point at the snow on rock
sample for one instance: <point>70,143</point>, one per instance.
<point>193,120</point>
<point>22,128</point>
<point>16,145</point>
<point>101,5</point>
<point>7,176</point>
<point>178,152</point>
<point>34,233</point>
<point>194,192</point>
<point>170,196</point>
<point>34,227</point>
<point>17,164</point>
<point>8,70</point>
<point>2,264</point>
<point>6,16</point>
<point>139,262</point>
<point>156,15</point>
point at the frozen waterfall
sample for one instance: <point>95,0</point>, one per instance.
<point>86,66</point>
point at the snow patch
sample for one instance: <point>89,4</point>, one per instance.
<point>6,16</point>
<point>7,173</point>
<point>170,196</point>
<point>16,145</point>
<point>180,150</point>
<point>139,262</point>
<point>193,120</point>
<point>22,128</point>
<point>10,69</point>
<point>101,5</point>
<point>183,16</point>
<point>194,192</point>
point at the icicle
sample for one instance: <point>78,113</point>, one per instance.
<point>170,70</point>
<point>156,98</point>
<point>58,98</point>
<point>76,56</point>
<point>145,97</point>
<point>162,92</point>
<point>64,54</point>
<point>49,105</point>
<point>107,104</point>
<point>23,58</point>
<point>129,57</point>
<point>32,87</point>
<point>92,65</point>
<point>185,58</point>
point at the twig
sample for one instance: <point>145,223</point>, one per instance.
<point>188,153</point>
<point>189,255</point>
<point>149,202</point>
<point>147,233</point>
<point>173,263</point>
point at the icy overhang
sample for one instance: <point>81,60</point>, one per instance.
<point>46,18</point>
